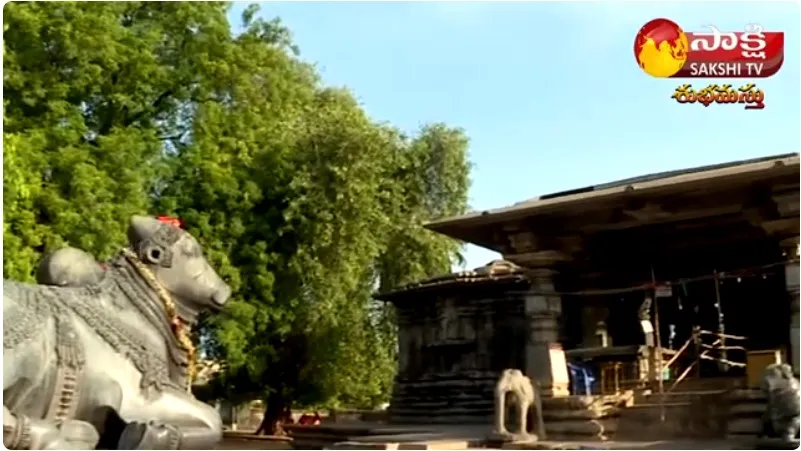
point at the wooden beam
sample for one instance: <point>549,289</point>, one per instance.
<point>662,230</point>
<point>784,227</point>
<point>649,212</point>
<point>679,216</point>
<point>531,240</point>
<point>523,241</point>
<point>629,269</point>
<point>787,203</point>
<point>757,203</point>
<point>699,241</point>
<point>677,236</point>
<point>538,259</point>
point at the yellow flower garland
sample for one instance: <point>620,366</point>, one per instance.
<point>179,328</point>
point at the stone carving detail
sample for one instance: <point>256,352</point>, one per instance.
<point>133,316</point>
<point>781,388</point>
<point>456,333</point>
<point>448,322</point>
<point>523,396</point>
<point>403,350</point>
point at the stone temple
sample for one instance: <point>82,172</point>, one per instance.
<point>656,299</point>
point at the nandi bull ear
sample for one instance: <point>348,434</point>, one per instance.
<point>141,229</point>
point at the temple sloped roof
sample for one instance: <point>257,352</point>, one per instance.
<point>494,272</point>
<point>590,206</point>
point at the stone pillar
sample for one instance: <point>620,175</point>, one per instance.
<point>790,249</point>
<point>545,360</point>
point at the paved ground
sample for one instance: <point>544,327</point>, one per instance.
<point>648,445</point>
<point>232,443</point>
<point>237,443</point>
<point>244,442</point>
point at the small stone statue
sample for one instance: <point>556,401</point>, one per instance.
<point>781,418</point>
<point>524,395</point>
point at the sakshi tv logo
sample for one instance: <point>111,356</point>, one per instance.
<point>664,50</point>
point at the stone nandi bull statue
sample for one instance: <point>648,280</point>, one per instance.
<point>104,359</point>
<point>524,395</point>
<point>781,388</point>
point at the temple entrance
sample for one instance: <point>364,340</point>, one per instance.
<point>715,304</point>
<point>749,307</point>
<point>735,308</point>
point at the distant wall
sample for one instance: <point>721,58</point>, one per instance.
<point>242,417</point>
<point>453,343</point>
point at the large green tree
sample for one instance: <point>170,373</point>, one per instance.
<point>303,203</point>
<point>94,94</point>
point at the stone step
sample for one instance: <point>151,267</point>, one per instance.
<point>436,403</point>
<point>469,390</point>
<point>585,402</point>
<point>655,406</point>
<point>427,418</point>
<point>744,426</point>
<point>437,444</point>
<point>428,444</point>
<point>456,411</point>
<point>325,435</point>
<point>681,420</point>
<point>582,415</point>
<point>363,445</point>
<point>677,396</point>
<point>750,409</point>
<point>708,383</point>
<point>354,430</point>
<point>745,395</point>
<point>599,429</point>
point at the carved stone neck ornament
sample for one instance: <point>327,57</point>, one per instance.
<point>180,328</point>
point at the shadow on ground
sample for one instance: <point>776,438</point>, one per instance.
<point>238,443</point>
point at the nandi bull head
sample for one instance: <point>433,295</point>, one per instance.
<point>176,260</point>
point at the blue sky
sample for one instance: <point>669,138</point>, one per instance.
<point>549,93</point>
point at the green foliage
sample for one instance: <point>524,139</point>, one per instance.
<point>302,202</point>
<point>93,91</point>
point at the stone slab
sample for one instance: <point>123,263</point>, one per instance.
<point>399,438</point>
<point>355,429</point>
<point>573,445</point>
<point>592,413</point>
<point>744,426</point>
<point>596,428</point>
<point>238,435</point>
<point>427,444</point>
<point>638,445</point>
<point>364,445</point>
<point>773,443</point>
<point>436,444</point>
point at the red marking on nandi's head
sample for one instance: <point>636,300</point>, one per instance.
<point>171,220</point>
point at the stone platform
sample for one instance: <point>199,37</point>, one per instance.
<point>325,436</point>
<point>246,440</point>
<point>420,442</point>
<point>717,417</point>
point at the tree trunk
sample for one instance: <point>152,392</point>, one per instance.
<point>275,412</point>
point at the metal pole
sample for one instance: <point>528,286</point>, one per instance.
<point>697,340</point>
<point>723,365</point>
<point>659,368</point>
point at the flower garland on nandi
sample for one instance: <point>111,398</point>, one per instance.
<point>179,328</point>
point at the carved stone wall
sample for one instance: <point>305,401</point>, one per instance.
<point>453,344</point>
<point>791,270</point>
